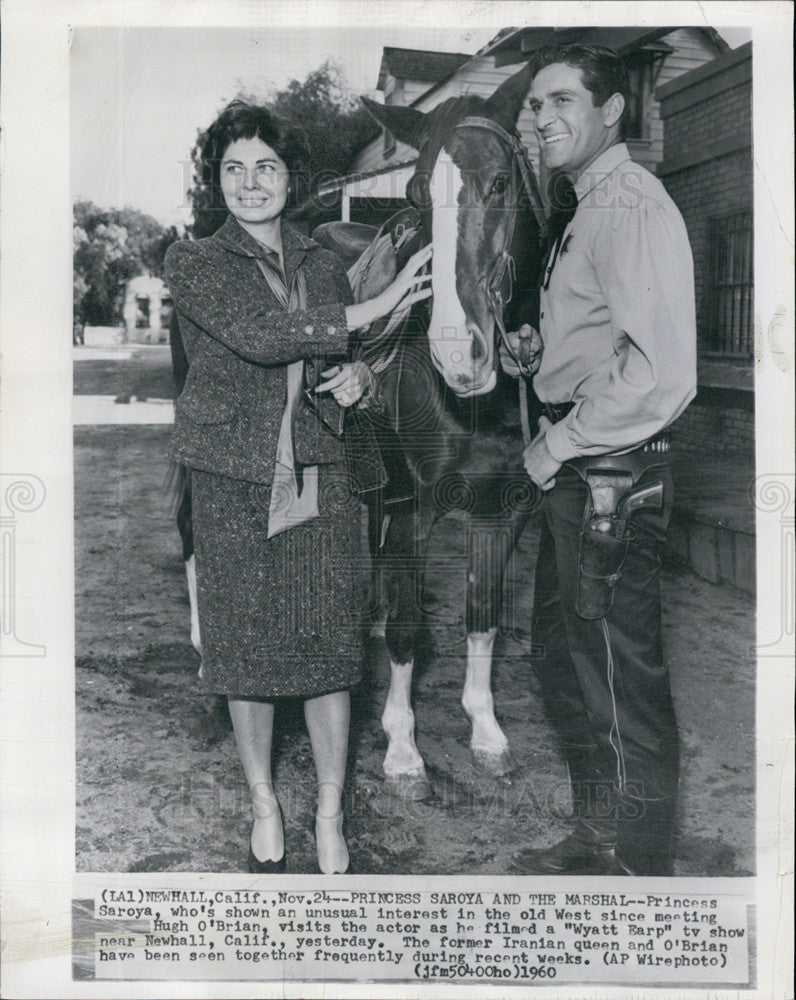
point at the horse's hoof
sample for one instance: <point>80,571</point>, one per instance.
<point>497,765</point>
<point>410,787</point>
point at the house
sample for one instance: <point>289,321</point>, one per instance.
<point>146,313</point>
<point>406,74</point>
<point>711,180</point>
<point>377,181</point>
<point>147,310</point>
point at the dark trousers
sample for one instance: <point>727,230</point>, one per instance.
<point>613,711</point>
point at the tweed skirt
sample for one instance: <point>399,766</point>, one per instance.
<point>279,616</point>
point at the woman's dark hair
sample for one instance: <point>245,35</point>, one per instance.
<point>603,70</point>
<point>241,120</point>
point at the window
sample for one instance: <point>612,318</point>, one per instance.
<point>142,312</point>
<point>166,309</point>
<point>728,327</point>
<point>637,112</point>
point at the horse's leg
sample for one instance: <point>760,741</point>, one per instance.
<point>404,770</point>
<point>490,545</point>
<point>488,742</point>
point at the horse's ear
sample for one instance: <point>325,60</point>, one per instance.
<point>406,124</point>
<point>506,102</point>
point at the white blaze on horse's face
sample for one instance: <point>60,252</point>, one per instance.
<point>461,351</point>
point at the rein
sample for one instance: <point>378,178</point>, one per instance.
<point>504,265</point>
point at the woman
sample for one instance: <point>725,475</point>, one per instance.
<point>276,530</point>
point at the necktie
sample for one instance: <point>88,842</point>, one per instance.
<point>564,203</point>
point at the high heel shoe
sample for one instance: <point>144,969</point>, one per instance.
<point>267,867</point>
<point>348,870</point>
<point>257,867</point>
<point>338,820</point>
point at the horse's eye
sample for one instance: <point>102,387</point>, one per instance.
<point>418,191</point>
<point>500,185</point>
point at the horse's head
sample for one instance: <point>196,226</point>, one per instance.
<point>467,188</point>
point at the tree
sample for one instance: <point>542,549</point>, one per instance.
<point>335,123</point>
<point>112,245</point>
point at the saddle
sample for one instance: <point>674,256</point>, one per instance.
<point>349,240</point>
<point>373,258</point>
<point>390,248</point>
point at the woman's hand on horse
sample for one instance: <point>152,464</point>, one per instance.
<point>348,383</point>
<point>525,346</point>
<point>409,282</point>
<point>409,286</point>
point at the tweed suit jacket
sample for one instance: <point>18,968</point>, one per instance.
<point>239,341</point>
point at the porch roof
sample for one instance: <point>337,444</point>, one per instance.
<point>386,182</point>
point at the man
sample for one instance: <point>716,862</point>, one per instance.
<point>614,363</point>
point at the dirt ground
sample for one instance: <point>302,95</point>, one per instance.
<point>159,787</point>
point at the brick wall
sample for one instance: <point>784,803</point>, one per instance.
<point>712,118</point>
<point>708,171</point>
<point>711,428</point>
<point>719,187</point>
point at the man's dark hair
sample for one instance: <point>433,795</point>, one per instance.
<point>241,120</point>
<point>603,70</point>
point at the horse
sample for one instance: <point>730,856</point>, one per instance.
<point>476,199</point>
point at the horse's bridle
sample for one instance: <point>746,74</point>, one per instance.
<point>504,266</point>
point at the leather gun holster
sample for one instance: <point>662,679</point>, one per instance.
<point>606,532</point>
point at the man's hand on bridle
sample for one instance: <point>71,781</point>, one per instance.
<point>526,345</point>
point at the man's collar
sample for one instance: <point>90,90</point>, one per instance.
<point>599,169</point>
<point>234,237</point>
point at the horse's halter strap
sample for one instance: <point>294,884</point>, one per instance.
<point>504,262</point>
